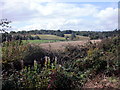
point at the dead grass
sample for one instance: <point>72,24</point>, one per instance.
<point>61,45</point>
<point>78,37</point>
<point>102,81</point>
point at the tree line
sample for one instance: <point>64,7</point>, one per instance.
<point>27,35</point>
<point>91,34</point>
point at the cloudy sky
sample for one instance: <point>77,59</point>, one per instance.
<point>54,15</point>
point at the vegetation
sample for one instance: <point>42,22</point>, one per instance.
<point>91,34</point>
<point>57,35</point>
<point>71,68</point>
<point>40,41</point>
<point>49,37</point>
<point>77,37</point>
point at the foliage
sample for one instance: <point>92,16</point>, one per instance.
<point>6,37</point>
<point>12,51</point>
<point>15,51</point>
<point>91,34</point>
<point>70,69</point>
<point>40,41</point>
<point>4,24</point>
<point>33,52</point>
<point>73,36</point>
<point>52,75</point>
<point>77,37</point>
<point>58,35</point>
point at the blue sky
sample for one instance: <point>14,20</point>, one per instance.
<point>79,16</point>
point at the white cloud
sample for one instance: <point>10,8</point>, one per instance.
<point>108,18</point>
<point>36,14</point>
<point>108,13</point>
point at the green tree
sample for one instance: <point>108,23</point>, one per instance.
<point>4,25</point>
<point>73,36</point>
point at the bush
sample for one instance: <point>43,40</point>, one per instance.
<point>78,64</point>
<point>15,51</point>
<point>72,53</point>
<point>33,53</point>
<point>12,52</point>
<point>52,75</point>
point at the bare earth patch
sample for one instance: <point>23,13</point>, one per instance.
<point>61,45</point>
<point>101,81</point>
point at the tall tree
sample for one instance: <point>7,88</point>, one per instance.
<point>4,25</point>
<point>73,36</point>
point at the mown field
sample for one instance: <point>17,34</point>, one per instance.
<point>49,37</point>
<point>78,37</point>
<point>54,37</point>
<point>40,41</point>
<point>46,38</point>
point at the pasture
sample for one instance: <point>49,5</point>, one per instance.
<point>49,37</point>
<point>39,41</point>
<point>78,37</point>
<point>54,37</point>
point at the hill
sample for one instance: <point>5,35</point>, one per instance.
<point>49,37</point>
<point>78,37</point>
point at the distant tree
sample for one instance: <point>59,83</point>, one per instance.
<point>59,34</point>
<point>22,32</point>
<point>12,32</point>
<point>17,37</point>
<point>73,36</point>
<point>24,37</point>
<point>4,25</point>
<point>94,37</point>
<point>68,32</point>
<point>37,38</point>
<point>85,34</point>
<point>58,30</point>
<point>6,37</point>
<point>66,37</point>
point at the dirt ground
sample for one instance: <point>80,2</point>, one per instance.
<point>61,45</point>
<point>102,81</point>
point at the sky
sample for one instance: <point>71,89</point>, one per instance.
<point>60,15</point>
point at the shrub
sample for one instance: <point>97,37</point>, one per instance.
<point>15,51</point>
<point>52,76</point>
<point>12,52</point>
<point>72,53</point>
<point>33,52</point>
<point>78,64</point>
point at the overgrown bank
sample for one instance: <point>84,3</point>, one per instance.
<point>71,68</point>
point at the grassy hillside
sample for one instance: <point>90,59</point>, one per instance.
<point>78,37</point>
<point>54,37</point>
<point>49,37</point>
<point>40,41</point>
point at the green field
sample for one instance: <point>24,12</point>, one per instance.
<point>40,41</point>
<point>54,37</point>
<point>49,37</point>
<point>46,38</point>
<point>78,37</point>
